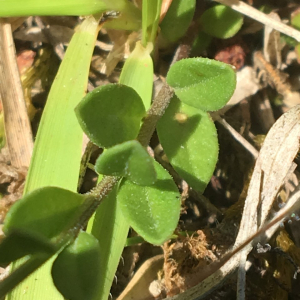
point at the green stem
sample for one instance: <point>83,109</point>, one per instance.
<point>155,112</point>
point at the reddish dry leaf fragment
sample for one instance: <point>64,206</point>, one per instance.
<point>25,60</point>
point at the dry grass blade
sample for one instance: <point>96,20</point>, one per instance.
<point>17,125</point>
<point>272,167</point>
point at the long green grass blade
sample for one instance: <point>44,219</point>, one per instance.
<point>10,8</point>
<point>57,150</point>
<point>111,228</point>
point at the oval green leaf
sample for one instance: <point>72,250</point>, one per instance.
<point>76,271</point>
<point>177,20</point>
<point>189,139</point>
<point>221,21</point>
<point>19,243</point>
<point>111,114</point>
<point>129,159</point>
<point>46,211</point>
<point>202,83</point>
<point>152,211</point>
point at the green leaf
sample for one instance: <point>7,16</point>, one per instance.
<point>177,19</point>
<point>152,211</point>
<point>189,139</point>
<point>46,211</point>
<point>200,44</point>
<point>19,243</point>
<point>129,159</point>
<point>111,114</point>
<point>137,72</point>
<point>57,149</point>
<point>76,271</point>
<point>221,21</point>
<point>202,83</point>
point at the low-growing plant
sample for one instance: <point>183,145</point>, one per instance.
<point>46,226</point>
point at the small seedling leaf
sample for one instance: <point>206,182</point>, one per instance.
<point>45,211</point>
<point>137,72</point>
<point>76,271</point>
<point>129,159</point>
<point>177,19</point>
<point>221,21</point>
<point>152,211</point>
<point>19,243</point>
<point>189,138</point>
<point>202,83</point>
<point>111,114</point>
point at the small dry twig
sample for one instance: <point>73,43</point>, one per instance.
<point>17,125</point>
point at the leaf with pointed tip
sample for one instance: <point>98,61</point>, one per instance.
<point>152,211</point>
<point>46,211</point>
<point>201,82</point>
<point>111,114</point>
<point>76,271</point>
<point>129,159</point>
<point>189,139</point>
<point>19,243</point>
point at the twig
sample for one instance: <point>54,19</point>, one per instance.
<point>17,125</point>
<point>239,137</point>
<point>259,16</point>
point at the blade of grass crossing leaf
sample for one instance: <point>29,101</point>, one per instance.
<point>10,8</point>
<point>57,151</point>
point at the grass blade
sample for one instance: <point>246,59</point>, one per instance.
<point>11,8</point>
<point>57,151</point>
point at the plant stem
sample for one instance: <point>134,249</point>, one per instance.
<point>155,112</point>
